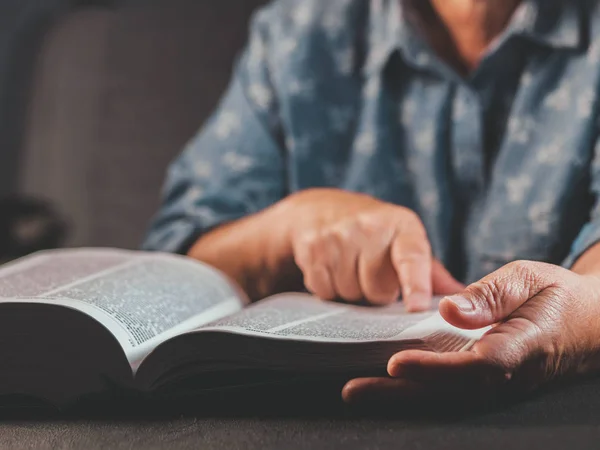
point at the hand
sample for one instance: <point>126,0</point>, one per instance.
<point>547,327</point>
<point>354,247</point>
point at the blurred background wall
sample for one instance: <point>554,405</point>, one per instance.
<point>97,97</point>
<point>21,23</point>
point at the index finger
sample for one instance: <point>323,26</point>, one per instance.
<point>411,258</point>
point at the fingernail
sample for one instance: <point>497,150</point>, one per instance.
<point>461,303</point>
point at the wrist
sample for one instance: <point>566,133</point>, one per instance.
<point>589,262</point>
<point>276,228</point>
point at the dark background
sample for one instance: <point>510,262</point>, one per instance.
<point>97,97</point>
<point>22,24</point>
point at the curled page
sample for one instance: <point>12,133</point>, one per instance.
<point>142,298</point>
<point>302,317</point>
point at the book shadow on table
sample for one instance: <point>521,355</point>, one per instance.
<point>573,404</point>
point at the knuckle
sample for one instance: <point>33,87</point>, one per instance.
<point>488,293</point>
<point>422,244</point>
<point>409,215</point>
<point>530,277</point>
<point>303,245</point>
<point>375,228</point>
<point>307,240</point>
<point>368,222</point>
<point>412,221</point>
<point>341,234</point>
<point>525,269</point>
<point>308,249</point>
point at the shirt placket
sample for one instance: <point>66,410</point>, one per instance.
<point>466,145</point>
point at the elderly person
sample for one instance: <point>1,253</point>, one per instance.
<point>371,149</point>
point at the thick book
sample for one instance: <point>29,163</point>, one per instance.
<point>80,322</point>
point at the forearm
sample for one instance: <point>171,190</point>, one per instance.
<point>589,263</point>
<point>252,251</point>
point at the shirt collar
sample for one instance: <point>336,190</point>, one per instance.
<point>556,24</point>
<point>386,24</point>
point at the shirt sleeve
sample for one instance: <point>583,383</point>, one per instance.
<point>590,233</point>
<point>235,166</point>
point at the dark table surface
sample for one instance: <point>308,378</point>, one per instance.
<point>566,418</point>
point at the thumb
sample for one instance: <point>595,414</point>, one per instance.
<point>442,281</point>
<point>497,296</point>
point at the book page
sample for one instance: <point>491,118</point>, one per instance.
<point>142,298</point>
<point>302,317</point>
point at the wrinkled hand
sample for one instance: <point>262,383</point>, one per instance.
<point>547,327</point>
<point>355,247</point>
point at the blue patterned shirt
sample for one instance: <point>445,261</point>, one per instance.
<point>500,165</point>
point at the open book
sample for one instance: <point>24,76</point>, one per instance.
<point>75,322</point>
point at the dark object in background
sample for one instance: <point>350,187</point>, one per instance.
<point>28,225</point>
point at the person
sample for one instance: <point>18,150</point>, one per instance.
<point>367,149</point>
